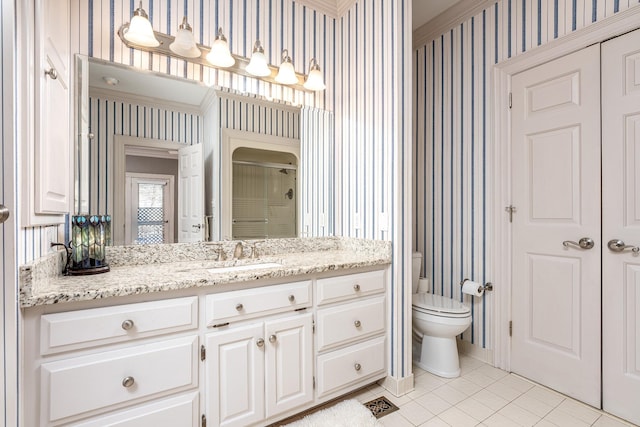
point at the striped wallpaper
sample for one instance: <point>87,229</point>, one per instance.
<point>373,146</point>
<point>453,81</point>
<point>109,117</point>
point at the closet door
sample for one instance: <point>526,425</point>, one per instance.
<point>555,151</point>
<point>621,226</point>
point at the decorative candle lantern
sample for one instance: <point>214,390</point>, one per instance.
<point>90,234</point>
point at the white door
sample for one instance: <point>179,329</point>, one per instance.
<point>191,227</point>
<point>149,209</point>
<point>621,223</point>
<point>289,363</point>
<point>555,167</point>
<point>234,370</point>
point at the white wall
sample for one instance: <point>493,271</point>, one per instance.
<point>452,151</point>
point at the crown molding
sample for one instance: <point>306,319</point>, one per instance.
<point>332,8</point>
<point>448,19</point>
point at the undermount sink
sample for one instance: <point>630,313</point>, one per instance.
<point>244,267</point>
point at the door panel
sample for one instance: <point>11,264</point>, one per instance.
<point>621,220</point>
<point>191,226</point>
<point>556,190</point>
<point>234,370</point>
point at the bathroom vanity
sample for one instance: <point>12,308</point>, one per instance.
<point>188,335</point>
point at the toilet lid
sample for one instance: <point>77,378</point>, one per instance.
<point>439,304</point>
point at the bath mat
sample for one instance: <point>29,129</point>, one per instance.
<point>348,413</point>
<point>380,407</point>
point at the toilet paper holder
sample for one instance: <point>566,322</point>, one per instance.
<point>486,287</point>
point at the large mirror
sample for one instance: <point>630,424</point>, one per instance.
<point>173,160</point>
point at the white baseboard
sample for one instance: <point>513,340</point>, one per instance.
<point>397,386</point>
<point>483,354</point>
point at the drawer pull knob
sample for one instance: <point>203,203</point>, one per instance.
<point>52,72</point>
<point>127,324</point>
<point>357,323</point>
<point>128,382</point>
<point>260,342</point>
<point>273,339</point>
<point>239,307</point>
<point>292,298</point>
<point>357,366</point>
<point>356,287</point>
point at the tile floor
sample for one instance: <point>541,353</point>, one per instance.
<point>485,396</point>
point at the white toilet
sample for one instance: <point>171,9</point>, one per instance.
<point>437,321</point>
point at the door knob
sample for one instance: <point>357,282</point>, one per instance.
<point>584,243</point>
<point>4,213</point>
<point>617,245</point>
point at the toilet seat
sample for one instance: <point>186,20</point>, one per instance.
<point>438,305</point>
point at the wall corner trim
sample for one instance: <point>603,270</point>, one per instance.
<point>448,19</point>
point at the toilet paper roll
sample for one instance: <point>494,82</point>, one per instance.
<point>470,287</point>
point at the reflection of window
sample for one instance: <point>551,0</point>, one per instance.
<point>149,209</point>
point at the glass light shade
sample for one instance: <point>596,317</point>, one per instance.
<point>90,235</point>
<point>184,43</point>
<point>220,55</point>
<point>258,65</point>
<point>140,31</point>
<point>315,80</point>
<point>286,73</point>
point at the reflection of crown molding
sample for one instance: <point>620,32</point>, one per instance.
<point>448,19</point>
<point>332,8</point>
<point>147,101</point>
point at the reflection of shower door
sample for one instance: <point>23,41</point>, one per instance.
<point>149,210</point>
<point>264,201</point>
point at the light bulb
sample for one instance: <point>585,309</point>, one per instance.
<point>258,65</point>
<point>140,31</point>
<point>286,73</point>
<point>184,43</point>
<point>220,55</point>
<point>314,79</point>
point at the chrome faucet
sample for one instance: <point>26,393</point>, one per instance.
<point>237,252</point>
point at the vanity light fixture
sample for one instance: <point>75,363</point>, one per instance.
<point>220,55</point>
<point>286,73</point>
<point>258,66</point>
<point>139,30</point>
<point>314,80</point>
<point>184,43</point>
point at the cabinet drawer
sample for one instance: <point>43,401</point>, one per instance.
<point>350,322</point>
<point>350,365</point>
<point>96,326</point>
<point>341,288</point>
<point>176,411</point>
<point>249,303</point>
<point>89,383</point>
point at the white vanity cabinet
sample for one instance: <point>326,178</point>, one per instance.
<point>205,356</point>
<point>350,332</point>
<point>95,362</point>
<point>258,368</point>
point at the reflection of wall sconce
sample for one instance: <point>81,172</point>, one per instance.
<point>217,56</point>
<point>90,234</point>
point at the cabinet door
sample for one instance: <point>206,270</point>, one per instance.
<point>289,362</point>
<point>52,148</point>
<point>234,370</point>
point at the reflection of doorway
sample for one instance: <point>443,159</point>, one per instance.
<point>149,209</point>
<point>264,194</point>
<point>265,156</point>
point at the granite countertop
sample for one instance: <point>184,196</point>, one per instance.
<point>157,268</point>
